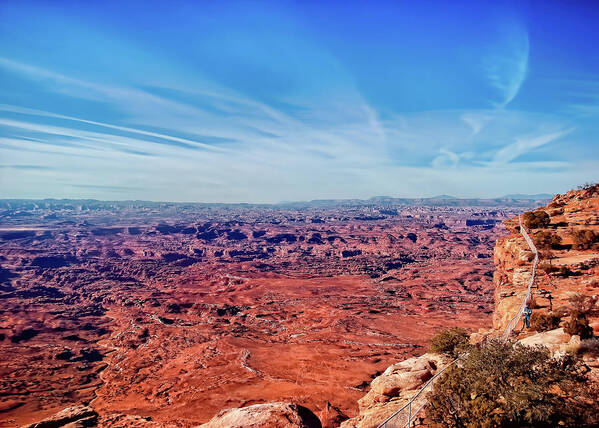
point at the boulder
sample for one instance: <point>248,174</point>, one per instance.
<point>392,389</point>
<point>76,416</point>
<point>280,415</point>
<point>117,420</point>
<point>554,340</point>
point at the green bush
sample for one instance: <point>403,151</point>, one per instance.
<point>583,303</point>
<point>589,186</point>
<point>545,240</point>
<point>578,324</point>
<point>544,321</point>
<point>565,272</point>
<point>589,347</point>
<point>584,239</point>
<point>548,268</point>
<point>536,219</point>
<point>500,385</point>
<point>452,341</point>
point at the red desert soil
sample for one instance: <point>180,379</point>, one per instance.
<point>176,311</point>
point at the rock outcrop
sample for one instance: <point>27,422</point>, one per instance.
<point>82,415</point>
<point>555,340</point>
<point>279,415</point>
<point>71,417</point>
<point>391,390</point>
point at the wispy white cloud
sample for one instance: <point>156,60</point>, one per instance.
<point>476,121</point>
<point>273,146</point>
<point>343,148</point>
<point>524,145</point>
<point>88,140</point>
<point>506,66</point>
<point>185,142</point>
<point>446,158</point>
<point>254,124</point>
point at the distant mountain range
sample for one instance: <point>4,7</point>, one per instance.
<point>443,197</point>
<point>440,200</point>
<point>516,196</point>
<point>533,197</point>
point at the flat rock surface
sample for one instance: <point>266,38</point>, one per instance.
<point>275,415</point>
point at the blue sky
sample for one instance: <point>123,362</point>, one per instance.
<point>264,101</point>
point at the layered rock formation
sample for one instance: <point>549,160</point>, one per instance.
<point>279,415</point>
<point>566,268</point>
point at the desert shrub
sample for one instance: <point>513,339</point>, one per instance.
<point>565,272</point>
<point>578,324</point>
<point>536,219</point>
<point>562,310</point>
<point>584,239</point>
<point>500,385</point>
<point>583,303</point>
<point>548,268</point>
<point>546,254</point>
<point>544,321</point>
<point>545,240</point>
<point>532,303</point>
<point>589,347</point>
<point>589,186</point>
<point>452,341</point>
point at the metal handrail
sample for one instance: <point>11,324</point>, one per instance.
<point>407,408</point>
<point>514,321</point>
<point>408,405</point>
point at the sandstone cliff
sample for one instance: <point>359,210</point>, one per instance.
<point>567,266</point>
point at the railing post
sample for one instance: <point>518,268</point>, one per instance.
<point>410,415</point>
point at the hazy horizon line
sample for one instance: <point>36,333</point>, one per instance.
<point>531,197</point>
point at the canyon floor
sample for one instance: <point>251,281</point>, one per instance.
<point>176,311</point>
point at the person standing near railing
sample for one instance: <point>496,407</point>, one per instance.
<point>527,313</point>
